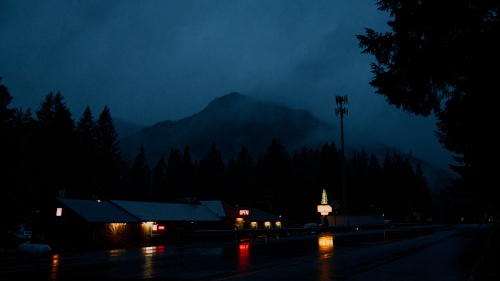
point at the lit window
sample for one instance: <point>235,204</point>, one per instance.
<point>59,212</point>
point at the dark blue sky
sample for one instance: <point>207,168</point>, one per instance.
<point>151,61</point>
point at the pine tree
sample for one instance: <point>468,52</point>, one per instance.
<point>374,185</point>
<point>211,173</point>
<point>9,154</point>
<point>6,114</point>
<point>108,156</point>
<point>231,180</point>
<point>423,193</point>
<point>62,116</point>
<point>244,177</point>
<point>174,179</point>
<point>141,177</point>
<point>86,128</point>
<point>276,176</point>
<point>57,148</point>
<point>87,161</point>
<point>439,57</point>
<point>159,181</point>
<point>187,174</point>
<point>45,114</point>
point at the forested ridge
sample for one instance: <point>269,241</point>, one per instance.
<point>49,151</point>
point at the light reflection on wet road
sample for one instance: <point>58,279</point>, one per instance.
<point>310,256</point>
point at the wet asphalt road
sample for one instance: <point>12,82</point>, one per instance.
<point>445,252</point>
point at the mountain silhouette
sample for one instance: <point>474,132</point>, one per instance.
<point>236,120</point>
<point>231,122</point>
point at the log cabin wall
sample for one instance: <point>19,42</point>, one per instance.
<point>118,235</point>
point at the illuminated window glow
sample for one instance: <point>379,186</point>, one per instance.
<point>155,227</point>
<point>59,212</point>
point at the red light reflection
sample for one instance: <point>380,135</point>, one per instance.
<point>244,256</point>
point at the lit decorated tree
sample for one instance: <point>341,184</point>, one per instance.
<point>324,199</point>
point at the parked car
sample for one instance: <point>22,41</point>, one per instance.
<point>10,241</point>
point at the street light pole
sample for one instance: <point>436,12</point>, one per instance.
<point>342,110</point>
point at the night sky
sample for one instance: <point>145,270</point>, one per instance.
<point>151,61</point>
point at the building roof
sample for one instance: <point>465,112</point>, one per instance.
<point>120,211</point>
<point>156,211</point>
<point>223,209</point>
<point>215,206</point>
<point>94,211</point>
<point>259,216</point>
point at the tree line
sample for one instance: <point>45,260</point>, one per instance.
<point>436,59</point>
<point>52,152</point>
<point>42,156</point>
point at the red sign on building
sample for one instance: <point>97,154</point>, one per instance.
<point>158,229</point>
<point>244,212</point>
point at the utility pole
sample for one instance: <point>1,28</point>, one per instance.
<point>342,110</point>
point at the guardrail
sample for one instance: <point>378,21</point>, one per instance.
<point>288,231</point>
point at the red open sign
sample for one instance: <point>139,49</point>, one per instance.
<point>244,212</point>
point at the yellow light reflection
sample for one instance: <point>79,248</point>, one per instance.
<point>55,267</point>
<point>148,250</point>
<point>116,253</point>
<point>325,243</point>
<point>148,268</point>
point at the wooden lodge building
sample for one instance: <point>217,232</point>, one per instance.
<point>113,224</point>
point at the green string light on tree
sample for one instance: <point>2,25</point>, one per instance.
<point>324,199</point>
